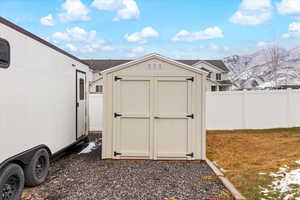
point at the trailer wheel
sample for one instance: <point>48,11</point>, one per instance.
<point>37,170</point>
<point>11,182</point>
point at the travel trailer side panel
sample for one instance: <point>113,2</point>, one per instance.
<point>37,96</point>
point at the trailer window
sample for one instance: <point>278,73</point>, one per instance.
<point>81,89</point>
<point>4,53</point>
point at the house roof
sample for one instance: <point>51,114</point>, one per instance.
<point>35,37</point>
<point>101,65</point>
<point>225,82</point>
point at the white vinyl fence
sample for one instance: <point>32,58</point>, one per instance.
<point>235,110</point>
<point>95,111</point>
<point>253,109</point>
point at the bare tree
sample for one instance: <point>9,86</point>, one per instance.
<point>274,55</point>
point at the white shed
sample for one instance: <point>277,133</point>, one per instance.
<point>154,108</point>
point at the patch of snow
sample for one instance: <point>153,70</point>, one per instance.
<point>286,183</point>
<point>89,148</point>
<point>262,173</point>
<point>298,162</point>
<point>267,84</point>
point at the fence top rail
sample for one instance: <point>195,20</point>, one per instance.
<point>253,92</point>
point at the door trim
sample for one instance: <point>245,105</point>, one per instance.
<point>76,99</point>
<point>157,116</point>
<point>117,121</point>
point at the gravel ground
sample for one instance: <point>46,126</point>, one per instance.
<point>86,176</point>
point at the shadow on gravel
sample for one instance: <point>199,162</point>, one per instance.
<point>85,176</point>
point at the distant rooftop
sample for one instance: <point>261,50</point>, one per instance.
<point>100,65</point>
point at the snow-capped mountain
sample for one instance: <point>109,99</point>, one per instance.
<point>257,70</point>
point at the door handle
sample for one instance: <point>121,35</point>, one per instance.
<point>156,117</point>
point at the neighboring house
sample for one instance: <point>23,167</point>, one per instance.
<point>217,79</point>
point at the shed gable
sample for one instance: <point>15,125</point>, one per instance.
<point>154,67</point>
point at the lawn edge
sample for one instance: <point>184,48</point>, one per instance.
<point>235,193</point>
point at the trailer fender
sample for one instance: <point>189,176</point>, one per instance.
<point>24,158</point>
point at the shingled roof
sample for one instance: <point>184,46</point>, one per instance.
<point>100,65</point>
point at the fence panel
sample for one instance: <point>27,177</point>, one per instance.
<point>253,109</point>
<point>234,110</point>
<point>96,110</point>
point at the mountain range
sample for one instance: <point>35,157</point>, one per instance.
<point>257,70</point>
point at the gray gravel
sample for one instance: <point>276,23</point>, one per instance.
<point>86,176</point>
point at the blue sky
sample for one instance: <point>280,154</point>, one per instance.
<point>122,29</point>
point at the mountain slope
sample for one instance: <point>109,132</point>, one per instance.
<point>256,69</point>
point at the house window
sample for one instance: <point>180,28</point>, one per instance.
<point>218,77</point>
<point>209,75</point>
<point>4,53</point>
<point>213,88</point>
<point>81,89</point>
<point>99,88</point>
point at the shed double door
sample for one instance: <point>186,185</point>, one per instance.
<point>153,118</point>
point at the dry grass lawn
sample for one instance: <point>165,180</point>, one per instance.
<point>244,154</point>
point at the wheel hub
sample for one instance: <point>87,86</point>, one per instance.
<point>10,188</point>
<point>40,166</point>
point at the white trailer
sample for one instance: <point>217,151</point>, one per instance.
<point>43,106</point>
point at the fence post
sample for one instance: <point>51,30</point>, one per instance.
<point>244,109</point>
<point>288,99</point>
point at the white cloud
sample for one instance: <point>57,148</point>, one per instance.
<point>109,5</point>
<point>71,47</point>
<point>256,5</point>
<point>47,20</point>
<point>87,49</point>
<point>264,44</point>
<point>130,10</point>
<point>294,31</point>
<point>215,47</point>
<point>141,36</point>
<point>59,36</point>
<point>77,34</point>
<point>126,9</point>
<point>289,7</point>
<point>75,10</point>
<point>253,12</point>
<point>93,47</point>
<point>207,34</point>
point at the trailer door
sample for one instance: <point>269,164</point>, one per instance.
<point>80,104</point>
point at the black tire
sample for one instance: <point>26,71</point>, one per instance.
<point>11,182</point>
<point>36,171</point>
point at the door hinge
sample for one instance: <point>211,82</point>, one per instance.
<point>190,116</point>
<point>117,154</point>
<point>190,79</point>
<point>190,155</point>
<point>77,104</point>
<point>117,78</point>
<point>117,115</point>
